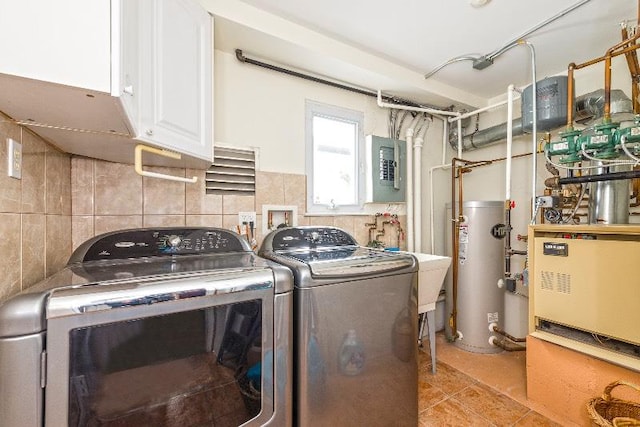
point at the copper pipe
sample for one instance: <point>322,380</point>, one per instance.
<point>607,90</point>
<point>635,190</point>
<point>634,70</point>
<point>506,335</point>
<point>573,66</point>
<point>499,159</point>
<point>602,58</point>
<point>454,253</point>
<point>622,44</point>
<point>611,52</point>
<point>456,218</point>
<point>505,346</point>
<point>627,45</point>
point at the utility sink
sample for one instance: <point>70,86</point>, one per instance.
<point>431,272</point>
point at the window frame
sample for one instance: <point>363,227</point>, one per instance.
<point>317,109</point>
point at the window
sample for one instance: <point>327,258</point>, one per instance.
<point>334,139</point>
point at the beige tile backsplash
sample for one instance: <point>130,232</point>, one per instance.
<point>151,202</point>
<point>35,211</point>
<point>118,189</point>
<point>62,201</point>
<point>33,176</point>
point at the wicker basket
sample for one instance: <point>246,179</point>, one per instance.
<point>607,411</point>
<point>625,422</point>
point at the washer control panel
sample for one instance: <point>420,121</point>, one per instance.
<point>311,237</point>
<point>142,243</point>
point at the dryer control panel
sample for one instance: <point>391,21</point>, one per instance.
<point>140,243</point>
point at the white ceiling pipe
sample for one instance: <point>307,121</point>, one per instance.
<point>459,139</point>
<point>416,109</point>
<point>445,139</point>
<point>479,110</point>
<point>417,187</point>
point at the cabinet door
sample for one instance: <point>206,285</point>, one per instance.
<point>176,76</point>
<point>64,41</point>
<point>125,58</point>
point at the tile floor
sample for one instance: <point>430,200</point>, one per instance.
<point>471,389</point>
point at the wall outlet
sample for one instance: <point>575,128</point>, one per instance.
<point>14,158</point>
<point>246,218</point>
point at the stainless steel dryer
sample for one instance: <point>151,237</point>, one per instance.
<point>151,327</point>
<point>355,321</point>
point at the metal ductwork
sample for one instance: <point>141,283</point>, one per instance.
<point>589,109</point>
<point>484,137</point>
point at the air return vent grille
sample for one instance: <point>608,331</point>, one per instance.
<point>560,282</point>
<point>546,280</point>
<point>233,172</point>
<point>564,283</point>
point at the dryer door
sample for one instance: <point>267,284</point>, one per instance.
<point>181,353</point>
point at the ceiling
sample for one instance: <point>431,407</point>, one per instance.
<point>420,35</point>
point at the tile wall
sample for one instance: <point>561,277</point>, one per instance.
<point>63,200</point>
<point>35,211</point>
<point>109,196</point>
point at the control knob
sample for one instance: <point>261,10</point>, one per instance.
<point>315,237</point>
<point>174,241</point>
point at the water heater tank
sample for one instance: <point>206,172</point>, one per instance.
<point>480,264</point>
<point>551,104</point>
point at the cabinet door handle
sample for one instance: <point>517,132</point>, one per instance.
<point>138,164</point>
<point>128,90</point>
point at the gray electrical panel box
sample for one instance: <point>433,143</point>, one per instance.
<point>386,171</point>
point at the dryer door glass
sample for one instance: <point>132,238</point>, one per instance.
<point>200,367</point>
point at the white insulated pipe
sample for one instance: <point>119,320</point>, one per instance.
<point>479,110</point>
<point>443,165</point>
<point>534,131</point>
<point>409,184</point>
<point>417,187</point>
<point>507,191</point>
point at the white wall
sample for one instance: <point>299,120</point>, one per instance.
<point>264,109</point>
<point>255,107</point>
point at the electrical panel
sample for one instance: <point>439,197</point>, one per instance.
<point>386,174</point>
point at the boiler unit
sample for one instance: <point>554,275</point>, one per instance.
<point>586,290</point>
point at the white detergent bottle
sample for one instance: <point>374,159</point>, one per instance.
<point>351,357</point>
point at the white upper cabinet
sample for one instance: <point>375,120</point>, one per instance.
<point>96,77</point>
<point>176,62</point>
<point>66,42</point>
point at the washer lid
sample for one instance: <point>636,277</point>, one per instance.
<point>349,261</point>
